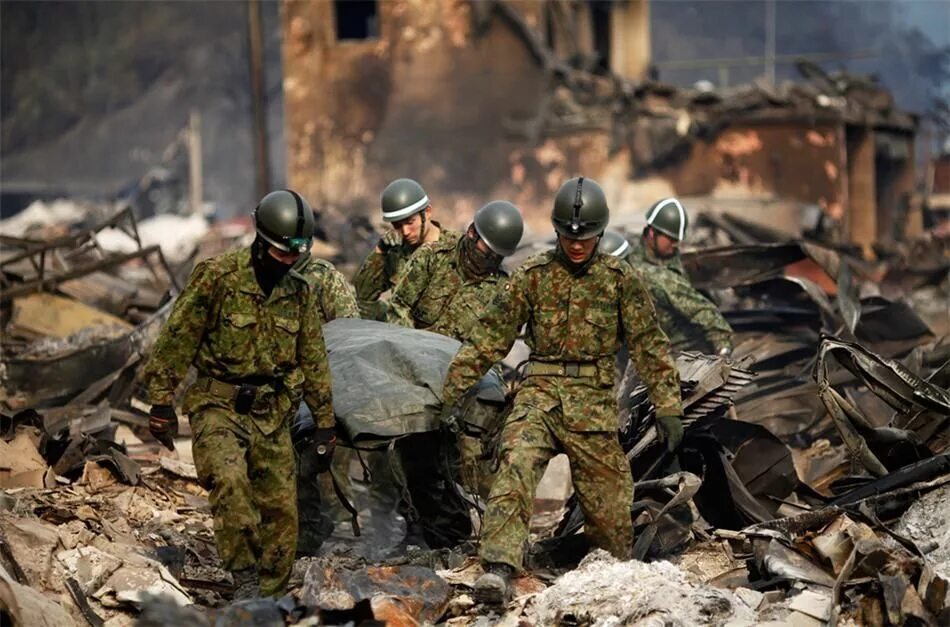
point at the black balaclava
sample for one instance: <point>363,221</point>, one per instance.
<point>576,269</point>
<point>269,271</point>
<point>475,262</point>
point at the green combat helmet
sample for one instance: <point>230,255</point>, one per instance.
<point>615,244</point>
<point>284,220</point>
<point>500,225</point>
<point>580,209</point>
<point>668,216</point>
<point>403,198</point>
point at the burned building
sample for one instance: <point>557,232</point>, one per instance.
<point>506,99</point>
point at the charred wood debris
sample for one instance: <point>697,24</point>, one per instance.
<point>812,487</point>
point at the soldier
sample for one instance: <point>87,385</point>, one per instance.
<point>448,283</point>
<point>577,304</point>
<point>250,326</point>
<point>689,319</point>
<point>319,506</point>
<point>405,206</point>
<point>443,288</point>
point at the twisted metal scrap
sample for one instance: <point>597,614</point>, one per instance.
<point>890,381</point>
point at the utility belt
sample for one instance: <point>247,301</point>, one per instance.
<point>573,369</point>
<point>242,393</point>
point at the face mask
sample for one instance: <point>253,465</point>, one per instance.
<point>268,270</point>
<point>476,262</point>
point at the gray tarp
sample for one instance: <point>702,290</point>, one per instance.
<point>387,380</point>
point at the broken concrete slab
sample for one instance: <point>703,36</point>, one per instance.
<point>133,585</point>
<point>178,467</point>
<point>753,599</point>
<point>32,544</point>
<point>89,566</point>
<point>813,604</point>
<point>27,606</point>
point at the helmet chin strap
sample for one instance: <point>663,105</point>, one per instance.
<point>424,229</point>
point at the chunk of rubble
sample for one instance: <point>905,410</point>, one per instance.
<point>927,522</point>
<point>397,593</point>
<point>26,606</point>
<point>89,566</point>
<point>605,591</point>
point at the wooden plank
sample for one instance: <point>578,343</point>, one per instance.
<point>56,316</point>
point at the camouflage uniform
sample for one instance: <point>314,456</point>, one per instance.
<point>436,293</point>
<point>575,325</point>
<point>379,273</point>
<point>335,296</point>
<point>226,327</point>
<point>318,504</point>
<point>689,319</point>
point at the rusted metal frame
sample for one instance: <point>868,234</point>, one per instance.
<point>77,240</point>
<point>40,284</point>
<point>37,256</point>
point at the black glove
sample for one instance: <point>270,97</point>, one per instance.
<point>163,425</point>
<point>670,431</point>
<point>390,239</point>
<point>324,443</point>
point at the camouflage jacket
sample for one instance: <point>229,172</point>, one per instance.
<point>689,319</point>
<point>224,325</point>
<point>435,293</point>
<point>584,319</point>
<point>335,296</point>
<point>381,269</point>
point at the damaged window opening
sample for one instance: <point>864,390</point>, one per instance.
<point>600,33</point>
<point>356,19</point>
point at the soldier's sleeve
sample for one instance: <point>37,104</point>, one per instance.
<point>491,339</point>
<point>339,297</point>
<point>178,342</point>
<point>312,356</point>
<point>412,282</point>
<point>695,307</point>
<point>370,282</point>
<point>648,346</point>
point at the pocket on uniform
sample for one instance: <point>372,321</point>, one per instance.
<point>291,325</point>
<point>240,320</point>
<point>604,324</point>
<point>233,335</point>
<point>286,338</point>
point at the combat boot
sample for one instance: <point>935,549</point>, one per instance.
<point>494,587</point>
<point>247,584</point>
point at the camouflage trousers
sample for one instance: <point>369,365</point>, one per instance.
<point>599,471</point>
<point>253,493</point>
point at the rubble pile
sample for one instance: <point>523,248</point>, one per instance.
<point>811,486</point>
<point>76,316</point>
<point>98,547</point>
